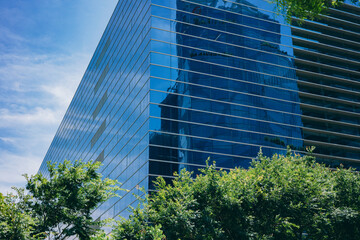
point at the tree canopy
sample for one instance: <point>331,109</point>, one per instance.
<point>58,206</point>
<point>63,203</point>
<point>283,197</point>
<point>306,9</point>
<point>16,222</point>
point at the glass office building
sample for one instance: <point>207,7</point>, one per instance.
<point>173,82</point>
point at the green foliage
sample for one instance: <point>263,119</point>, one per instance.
<point>16,223</point>
<point>345,214</point>
<point>305,9</point>
<point>137,228</point>
<point>100,235</point>
<point>283,197</point>
<point>62,203</point>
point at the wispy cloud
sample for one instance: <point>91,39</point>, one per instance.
<point>45,47</point>
<point>12,169</point>
<point>38,116</point>
<point>36,90</point>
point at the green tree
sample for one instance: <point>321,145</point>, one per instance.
<point>137,228</point>
<point>283,197</point>
<point>62,203</point>
<point>345,213</point>
<point>16,222</point>
<point>305,9</point>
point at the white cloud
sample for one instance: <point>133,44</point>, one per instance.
<point>38,116</point>
<point>7,140</point>
<point>13,168</point>
<point>36,82</point>
<point>36,90</point>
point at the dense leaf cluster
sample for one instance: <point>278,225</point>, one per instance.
<point>306,9</point>
<point>56,207</point>
<point>283,197</point>
<point>16,222</point>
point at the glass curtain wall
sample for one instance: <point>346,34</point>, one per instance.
<point>223,84</point>
<point>108,118</point>
<point>173,83</point>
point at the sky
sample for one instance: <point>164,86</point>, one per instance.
<point>45,47</point>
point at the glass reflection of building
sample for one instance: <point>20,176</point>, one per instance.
<point>175,82</point>
<point>219,102</point>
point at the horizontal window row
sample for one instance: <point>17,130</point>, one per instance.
<point>166,112</point>
<point>249,107</point>
<point>227,27</point>
<point>325,39</point>
<point>328,30</point>
<point>317,47</point>
<point>335,23</point>
<point>238,148</point>
<point>238,36</point>
<point>258,76</point>
<point>210,85</point>
<point>194,157</point>
<point>203,116</point>
<point>204,15</point>
<point>250,61</point>
<point>223,128</point>
<point>290,92</point>
<point>246,43</point>
<point>269,134</point>
<point>326,59</point>
<point>343,14</point>
<point>327,70</point>
<point>248,93</point>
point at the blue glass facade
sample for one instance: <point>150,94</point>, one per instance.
<point>172,83</point>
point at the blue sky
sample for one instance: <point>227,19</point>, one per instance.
<point>45,47</point>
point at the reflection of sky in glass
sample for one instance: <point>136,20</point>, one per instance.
<point>216,79</point>
<point>202,40</point>
<point>235,59</point>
